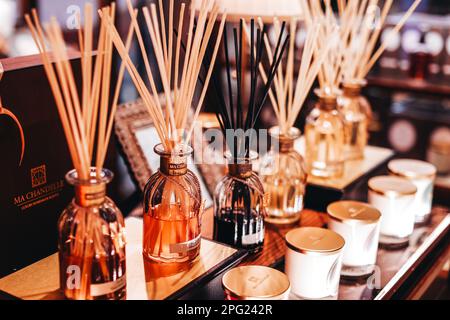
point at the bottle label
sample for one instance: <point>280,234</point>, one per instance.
<point>253,238</point>
<point>184,247</point>
<point>101,289</point>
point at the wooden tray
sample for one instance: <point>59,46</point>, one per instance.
<point>145,281</point>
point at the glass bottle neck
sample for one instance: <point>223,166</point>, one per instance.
<point>328,103</point>
<point>240,170</point>
<point>283,144</point>
<point>351,91</point>
<point>90,194</point>
<point>173,166</point>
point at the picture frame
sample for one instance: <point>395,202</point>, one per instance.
<point>137,137</point>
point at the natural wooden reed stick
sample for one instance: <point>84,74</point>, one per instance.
<point>360,17</point>
<point>171,121</point>
<point>88,117</point>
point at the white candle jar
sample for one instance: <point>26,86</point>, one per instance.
<point>359,224</point>
<point>313,262</point>
<point>394,197</point>
<point>422,175</point>
<point>255,283</point>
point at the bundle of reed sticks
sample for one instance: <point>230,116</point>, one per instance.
<point>365,21</point>
<point>231,113</point>
<point>179,78</point>
<point>321,16</point>
<point>290,96</point>
<point>87,119</point>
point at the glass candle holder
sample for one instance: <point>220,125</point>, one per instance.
<point>356,112</point>
<point>255,283</point>
<point>239,206</point>
<point>313,262</point>
<point>283,173</point>
<point>422,174</point>
<point>92,241</point>
<point>172,209</point>
<point>359,224</point>
<point>394,198</point>
<point>324,134</point>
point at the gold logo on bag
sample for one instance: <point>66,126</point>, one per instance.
<point>38,176</point>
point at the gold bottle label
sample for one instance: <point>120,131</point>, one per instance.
<point>285,145</point>
<point>240,170</point>
<point>90,195</point>
<point>175,166</point>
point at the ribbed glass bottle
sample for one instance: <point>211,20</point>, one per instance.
<point>283,173</point>
<point>172,209</point>
<point>92,241</point>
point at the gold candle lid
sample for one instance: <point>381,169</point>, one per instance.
<point>255,282</point>
<point>392,186</point>
<point>311,240</point>
<point>353,212</point>
<point>412,169</point>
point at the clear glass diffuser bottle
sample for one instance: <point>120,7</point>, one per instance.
<point>239,206</point>
<point>324,135</point>
<point>283,173</point>
<point>356,112</point>
<point>172,209</point>
<point>92,241</point>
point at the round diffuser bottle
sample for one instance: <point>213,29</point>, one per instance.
<point>356,111</point>
<point>239,206</point>
<point>324,134</point>
<point>283,173</point>
<point>172,209</point>
<point>92,241</point>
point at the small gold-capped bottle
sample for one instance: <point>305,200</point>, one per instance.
<point>283,173</point>
<point>356,112</point>
<point>324,135</point>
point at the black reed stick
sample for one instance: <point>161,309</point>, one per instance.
<point>234,112</point>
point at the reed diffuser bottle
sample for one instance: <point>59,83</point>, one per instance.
<point>324,134</point>
<point>356,112</point>
<point>283,173</point>
<point>91,229</point>
<point>92,241</point>
<point>239,199</point>
<point>359,53</point>
<point>172,199</point>
<point>282,169</point>
<point>172,209</point>
<point>239,206</point>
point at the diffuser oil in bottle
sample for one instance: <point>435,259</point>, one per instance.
<point>172,209</point>
<point>324,135</point>
<point>356,111</point>
<point>92,242</point>
<point>283,173</point>
<point>239,207</point>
